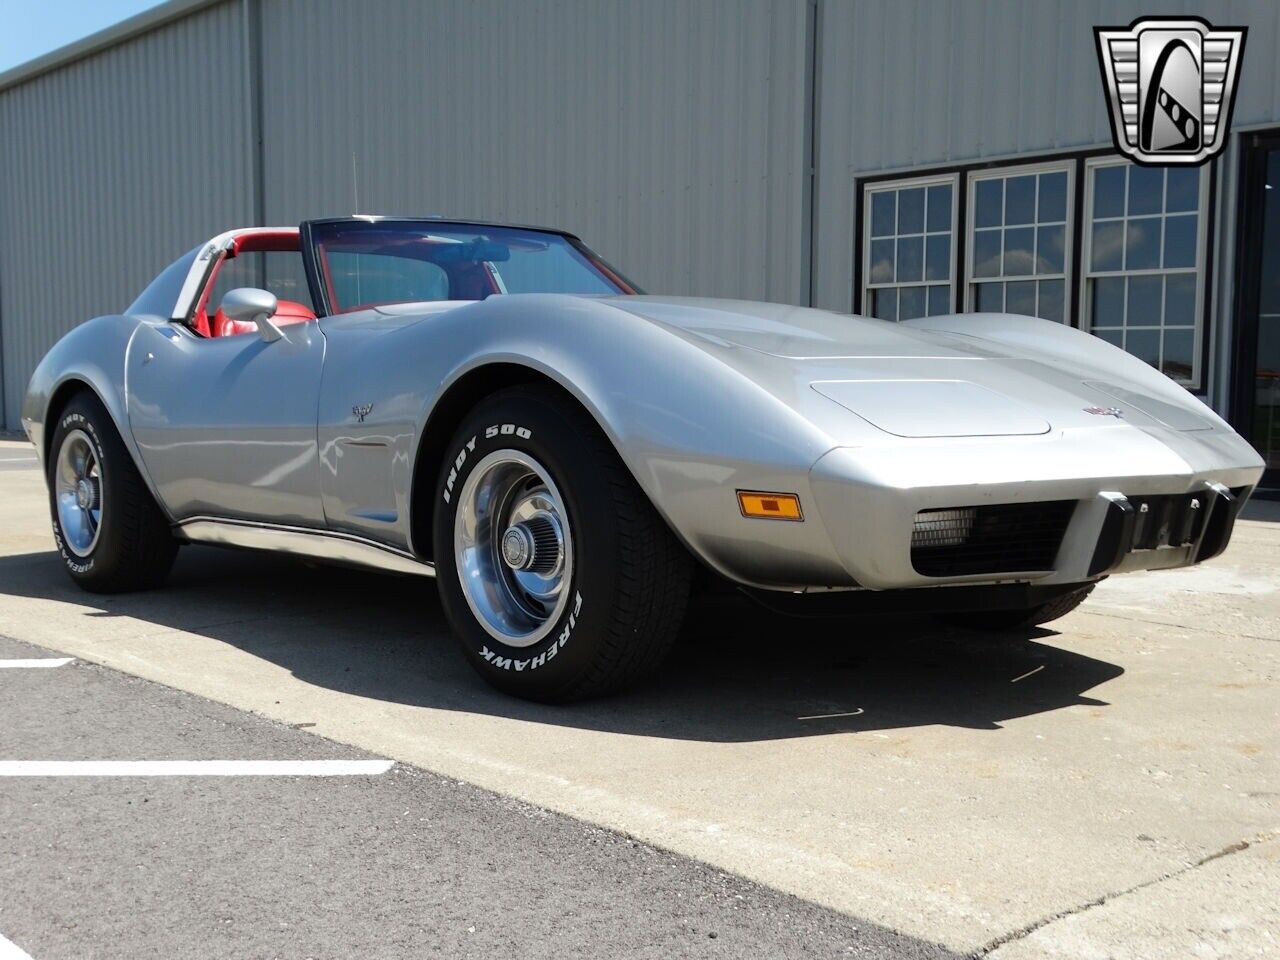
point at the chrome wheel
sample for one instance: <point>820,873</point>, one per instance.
<point>78,492</point>
<point>513,547</point>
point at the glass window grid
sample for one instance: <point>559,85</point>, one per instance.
<point>871,290</point>
<point>1003,280</point>
<point>1119,333</point>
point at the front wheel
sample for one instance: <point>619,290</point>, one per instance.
<point>1001,621</point>
<point>555,571</point>
<point>111,535</point>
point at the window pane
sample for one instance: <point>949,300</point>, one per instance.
<point>884,304</point>
<point>911,210</point>
<point>1183,189</point>
<point>286,277</point>
<point>939,208</point>
<point>1179,345</point>
<point>1020,200</point>
<point>1144,301</point>
<point>911,303</point>
<point>1146,190</point>
<point>365,278</point>
<point>1108,191</point>
<point>1050,303</point>
<point>989,198</point>
<point>910,258</point>
<point>1113,337</point>
<point>1053,196</point>
<point>882,213</point>
<point>1021,298</point>
<point>1018,258</point>
<point>1144,344</point>
<point>1142,244</point>
<point>939,300</point>
<point>986,253</point>
<point>937,258</point>
<point>1180,300</point>
<point>990,298</point>
<point>1050,249</point>
<point>881,261</point>
<point>1180,241</point>
<point>1107,309</point>
<point>1107,245</point>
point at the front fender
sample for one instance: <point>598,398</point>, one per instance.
<point>692,431</point>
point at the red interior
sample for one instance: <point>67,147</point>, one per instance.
<point>287,312</point>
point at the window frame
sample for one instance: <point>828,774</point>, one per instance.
<point>1200,268</point>
<point>869,188</point>
<point>1067,165</point>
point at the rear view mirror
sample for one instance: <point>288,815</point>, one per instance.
<point>251,304</point>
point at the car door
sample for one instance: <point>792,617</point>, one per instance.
<point>226,426</point>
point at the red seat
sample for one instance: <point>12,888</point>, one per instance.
<point>287,312</point>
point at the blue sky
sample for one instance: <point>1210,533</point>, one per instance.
<point>28,30</point>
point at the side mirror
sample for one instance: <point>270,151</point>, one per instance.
<point>251,304</point>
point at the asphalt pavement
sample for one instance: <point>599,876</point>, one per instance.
<point>402,863</point>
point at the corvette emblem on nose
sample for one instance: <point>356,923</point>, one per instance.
<point>1105,411</point>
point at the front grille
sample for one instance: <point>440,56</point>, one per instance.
<point>998,538</point>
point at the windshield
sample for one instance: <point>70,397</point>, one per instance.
<point>370,263</point>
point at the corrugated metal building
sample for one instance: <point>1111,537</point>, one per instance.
<point>768,149</point>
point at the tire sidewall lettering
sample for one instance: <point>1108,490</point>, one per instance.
<point>69,422</point>
<point>500,662</point>
<point>464,453</point>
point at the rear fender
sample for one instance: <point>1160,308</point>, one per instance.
<point>90,357</point>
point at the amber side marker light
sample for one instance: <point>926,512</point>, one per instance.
<point>769,506</point>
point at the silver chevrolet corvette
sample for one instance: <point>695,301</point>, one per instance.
<point>497,407</point>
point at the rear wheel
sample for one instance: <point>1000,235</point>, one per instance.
<point>555,571</point>
<point>999,621</point>
<point>111,535</point>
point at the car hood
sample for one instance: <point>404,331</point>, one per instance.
<point>910,382</point>
<point>794,333</point>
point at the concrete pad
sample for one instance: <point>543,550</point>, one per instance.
<point>1225,908</point>
<point>956,789</point>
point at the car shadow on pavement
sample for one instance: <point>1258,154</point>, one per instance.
<point>739,673</point>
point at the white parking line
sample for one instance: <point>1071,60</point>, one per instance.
<point>194,768</point>
<point>11,951</point>
<point>35,664</point>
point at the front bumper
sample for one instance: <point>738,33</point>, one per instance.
<point>1156,533</point>
<point>868,499</point>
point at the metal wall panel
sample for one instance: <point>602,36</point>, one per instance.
<point>110,167</point>
<point>918,83</point>
<point>674,137</point>
<point>669,135</point>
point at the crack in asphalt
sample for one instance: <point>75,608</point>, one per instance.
<point>1023,932</point>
